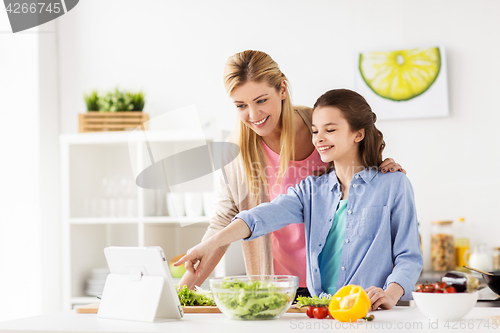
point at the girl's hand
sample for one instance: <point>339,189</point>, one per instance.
<point>390,165</point>
<point>196,257</point>
<point>381,298</point>
<point>206,252</point>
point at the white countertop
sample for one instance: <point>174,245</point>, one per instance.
<point>398,319</point>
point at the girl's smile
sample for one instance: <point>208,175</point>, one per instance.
<point>332,136</point>
<point>323,149</point>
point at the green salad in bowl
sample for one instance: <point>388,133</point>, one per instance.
<point>254,297</point>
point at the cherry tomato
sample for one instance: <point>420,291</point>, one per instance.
<point>450,290</point>
<point>309,311</point>
<point>438,291</point>
<point>429,289</point>
<point>440,285</point>
<point>320,312</point>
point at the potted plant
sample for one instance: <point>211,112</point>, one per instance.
<point>114,110</point>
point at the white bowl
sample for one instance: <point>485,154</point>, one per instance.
<point>445,306</point>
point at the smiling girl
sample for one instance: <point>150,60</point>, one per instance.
<point>360,224</point>
<point>276,152</point>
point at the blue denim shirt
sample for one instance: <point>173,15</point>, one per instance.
<point>381,243</point>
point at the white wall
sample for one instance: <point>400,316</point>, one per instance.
<point>29,215</point>
<point>48,163</point>
<point>20,277</point>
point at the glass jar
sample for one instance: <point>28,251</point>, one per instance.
<point>496,258</point>
<point>442,246</point>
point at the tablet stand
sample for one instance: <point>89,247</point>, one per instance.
<point>134,297</point>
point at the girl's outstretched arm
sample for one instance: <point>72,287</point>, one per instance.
<point>253,223</point>
<point>198,256</point>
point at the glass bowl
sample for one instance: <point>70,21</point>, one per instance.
<point>254,297</point>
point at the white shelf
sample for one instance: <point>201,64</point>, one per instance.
<point>103,220</point>
<point>177,220</point>
<point>129,136</point>
<point>149,219</point>
<point>84,300</point>
<point>90,158</point>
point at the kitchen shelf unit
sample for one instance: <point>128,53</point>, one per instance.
<point>87,159</point>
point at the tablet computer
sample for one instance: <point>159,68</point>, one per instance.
<point>139,286</point>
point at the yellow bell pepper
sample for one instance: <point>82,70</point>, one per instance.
<point>349,303</point>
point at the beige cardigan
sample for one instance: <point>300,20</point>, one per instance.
<point>233,198</point>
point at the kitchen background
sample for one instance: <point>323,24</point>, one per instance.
<point>175,51</point>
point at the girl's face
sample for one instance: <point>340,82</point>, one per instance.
<point>333,137</point>
<point>259,106</point>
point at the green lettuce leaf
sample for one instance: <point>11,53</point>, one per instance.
<point>189,297</point>
<point>252,300</point>
<point>313,301</point>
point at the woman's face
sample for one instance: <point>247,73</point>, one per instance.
<point>333,137</point>
<point>259,106</point>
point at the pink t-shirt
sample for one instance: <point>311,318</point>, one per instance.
<point>289,243</point>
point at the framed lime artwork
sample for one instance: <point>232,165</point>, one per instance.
<point>403,84</point>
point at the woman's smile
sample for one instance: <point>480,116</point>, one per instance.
<point>261,122</point>
<point>259,106</point>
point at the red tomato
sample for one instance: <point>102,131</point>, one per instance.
<point>309,311</point>
<point>440,285</point>
<point>320,312</point>
<point>450,290</point>
<point>429,289</point>
<point>438,291</point>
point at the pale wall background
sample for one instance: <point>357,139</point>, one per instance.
<point>29,168</point>
<point>175,52</point>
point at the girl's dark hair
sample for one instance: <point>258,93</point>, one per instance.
<point>359,115</point>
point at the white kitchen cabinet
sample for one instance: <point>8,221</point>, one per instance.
<point>90,162</point>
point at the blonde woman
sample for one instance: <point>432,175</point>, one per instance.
<point>276,152</point>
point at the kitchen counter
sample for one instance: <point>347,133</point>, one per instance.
<point>398,319</point>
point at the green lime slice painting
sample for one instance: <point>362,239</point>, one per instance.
<point>408,83</point>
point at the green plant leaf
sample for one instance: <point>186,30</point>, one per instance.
<point>114,101</point>
<point>92,101</point>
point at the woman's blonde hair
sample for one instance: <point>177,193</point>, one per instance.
<point>256,66</point>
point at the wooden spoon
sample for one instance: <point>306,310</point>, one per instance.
<point>478,270</point>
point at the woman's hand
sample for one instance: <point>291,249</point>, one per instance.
<point>197,256</point>
<point>385,299</point>
<point>390,165</point>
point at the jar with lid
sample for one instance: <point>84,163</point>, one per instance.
<point>442,246</point>
<point>496,258</point>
